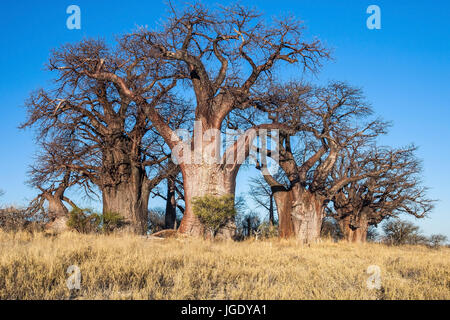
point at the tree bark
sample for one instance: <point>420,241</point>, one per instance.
<point>300,214</point>
<point>354,228</point>
<point>58,213</point>
<point>130,200</point>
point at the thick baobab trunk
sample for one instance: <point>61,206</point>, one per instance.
<point>171,205</point>
<point>124,184</point>
<point>354,228</point>
<point>300,214</point>
<point>130,200</point>
<point>202,180</point>
<point>58,214</point>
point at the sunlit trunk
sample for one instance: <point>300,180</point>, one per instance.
<point>354,228</point>
<point>58,214</point>
<point>205,174</point>
<point>199,181</point>
<point>300,214</point>
<point>130,200</point>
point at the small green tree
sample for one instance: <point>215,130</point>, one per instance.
<point>84,220</point>
<point>214,212</point>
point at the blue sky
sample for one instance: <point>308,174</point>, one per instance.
<point>404,69</point>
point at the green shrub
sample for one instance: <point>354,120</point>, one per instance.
<point>112,221</point>
<point>84,220</point>
<point>214,212</point>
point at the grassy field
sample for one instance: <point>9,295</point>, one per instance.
<point>119,267</point>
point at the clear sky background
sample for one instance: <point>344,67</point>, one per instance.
<point>404,69</point>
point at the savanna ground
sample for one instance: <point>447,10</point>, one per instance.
<point>124,267</point>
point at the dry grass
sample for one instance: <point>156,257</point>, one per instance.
<point>119,267</point>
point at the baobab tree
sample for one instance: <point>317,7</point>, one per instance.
<point>50,174</point>
<point>117,147</point>
<point>367,202</point>
<point>263,196</point>
<point>327,120</point>
<point>222,55</point>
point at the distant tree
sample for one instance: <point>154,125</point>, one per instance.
<point>330,229</point>
<point>2,193</point>
<point>266,230</point>
<point>372,234</point>
<point>399,232</point>
<point>112,221</point>
<point>249,224</point>
<point>437,240</point>
<point>171,197</point>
